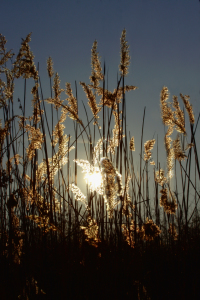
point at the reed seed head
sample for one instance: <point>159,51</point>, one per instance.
<point>178,152</point>
<point>132,144</point>
<point>149,230</point>
<point>125,57</point>
<point>169,204</point>
<point>188,107</point>
<point>50,67</point>
<point>160,177</point>
<point>148,146</point>
<point>96,75</point>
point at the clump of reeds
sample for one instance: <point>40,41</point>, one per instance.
<point>40,201</point>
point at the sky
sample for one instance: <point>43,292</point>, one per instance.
<point>164,40</point>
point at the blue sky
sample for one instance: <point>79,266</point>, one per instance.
<point>164,39</point>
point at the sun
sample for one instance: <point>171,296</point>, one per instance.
<point>94,179</point>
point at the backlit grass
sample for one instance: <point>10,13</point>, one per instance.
<point>129,233</point>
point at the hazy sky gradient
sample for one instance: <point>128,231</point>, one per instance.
<point>164,39</point>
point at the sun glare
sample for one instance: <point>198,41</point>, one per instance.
<point>94,179</point>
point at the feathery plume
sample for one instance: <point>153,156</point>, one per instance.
<point>112,184</point>
<point>91,232</point>
<point>84,164</point>
<point>8,86</point>
<point>36,138</point>
<point>57,92</point>
<point>149,230</point>
<point>178,113</point>
<point>170,205</point>
<point>178,153</point>
<point>148,146</point>
<point>170,156</point>
<point>129,234</point>
<point>37,111</point>
<point>79,196</point>
<point>188,107</point>
<point>160,178</point>
<point>125,57</point>
<point>50,67</point>
<point>166,111</point>
<point>117,133</point>
<point>169,117</point>
<point>127,203</point>
<point>91,101</point>
<point>24,64</point>
<point>97,151</point>
<point>96,75</point>
<point>71,99</point>
<point>5,56</point>
<point>132,144</point>
<point>73,106</point>
<point>111,99</point>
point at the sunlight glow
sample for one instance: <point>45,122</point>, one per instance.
<point>94,179</point>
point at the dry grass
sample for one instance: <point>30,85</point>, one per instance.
<point>50,229</point>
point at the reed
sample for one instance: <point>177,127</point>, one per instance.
<point>51,231</point>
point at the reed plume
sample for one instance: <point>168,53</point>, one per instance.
<point>96,75</point>
<point>168,203</point>
<point>24,65</point>
<point>117,133</point>
<point>112,184</point>
<point>188,107</point>
<point>5,56</point>
<point>79,196</point>
<point>72,102</point>
<point>178,152</point>
<point>149,230</point>
<point>91,232</point>
<point>148,146</point>
<point>132,144</point>
<point>91,101</point>
<point>42,209</point>
<point>129,233</point>
<point>50,67</point>
<point>125,57</point>
<point>160,178</point>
